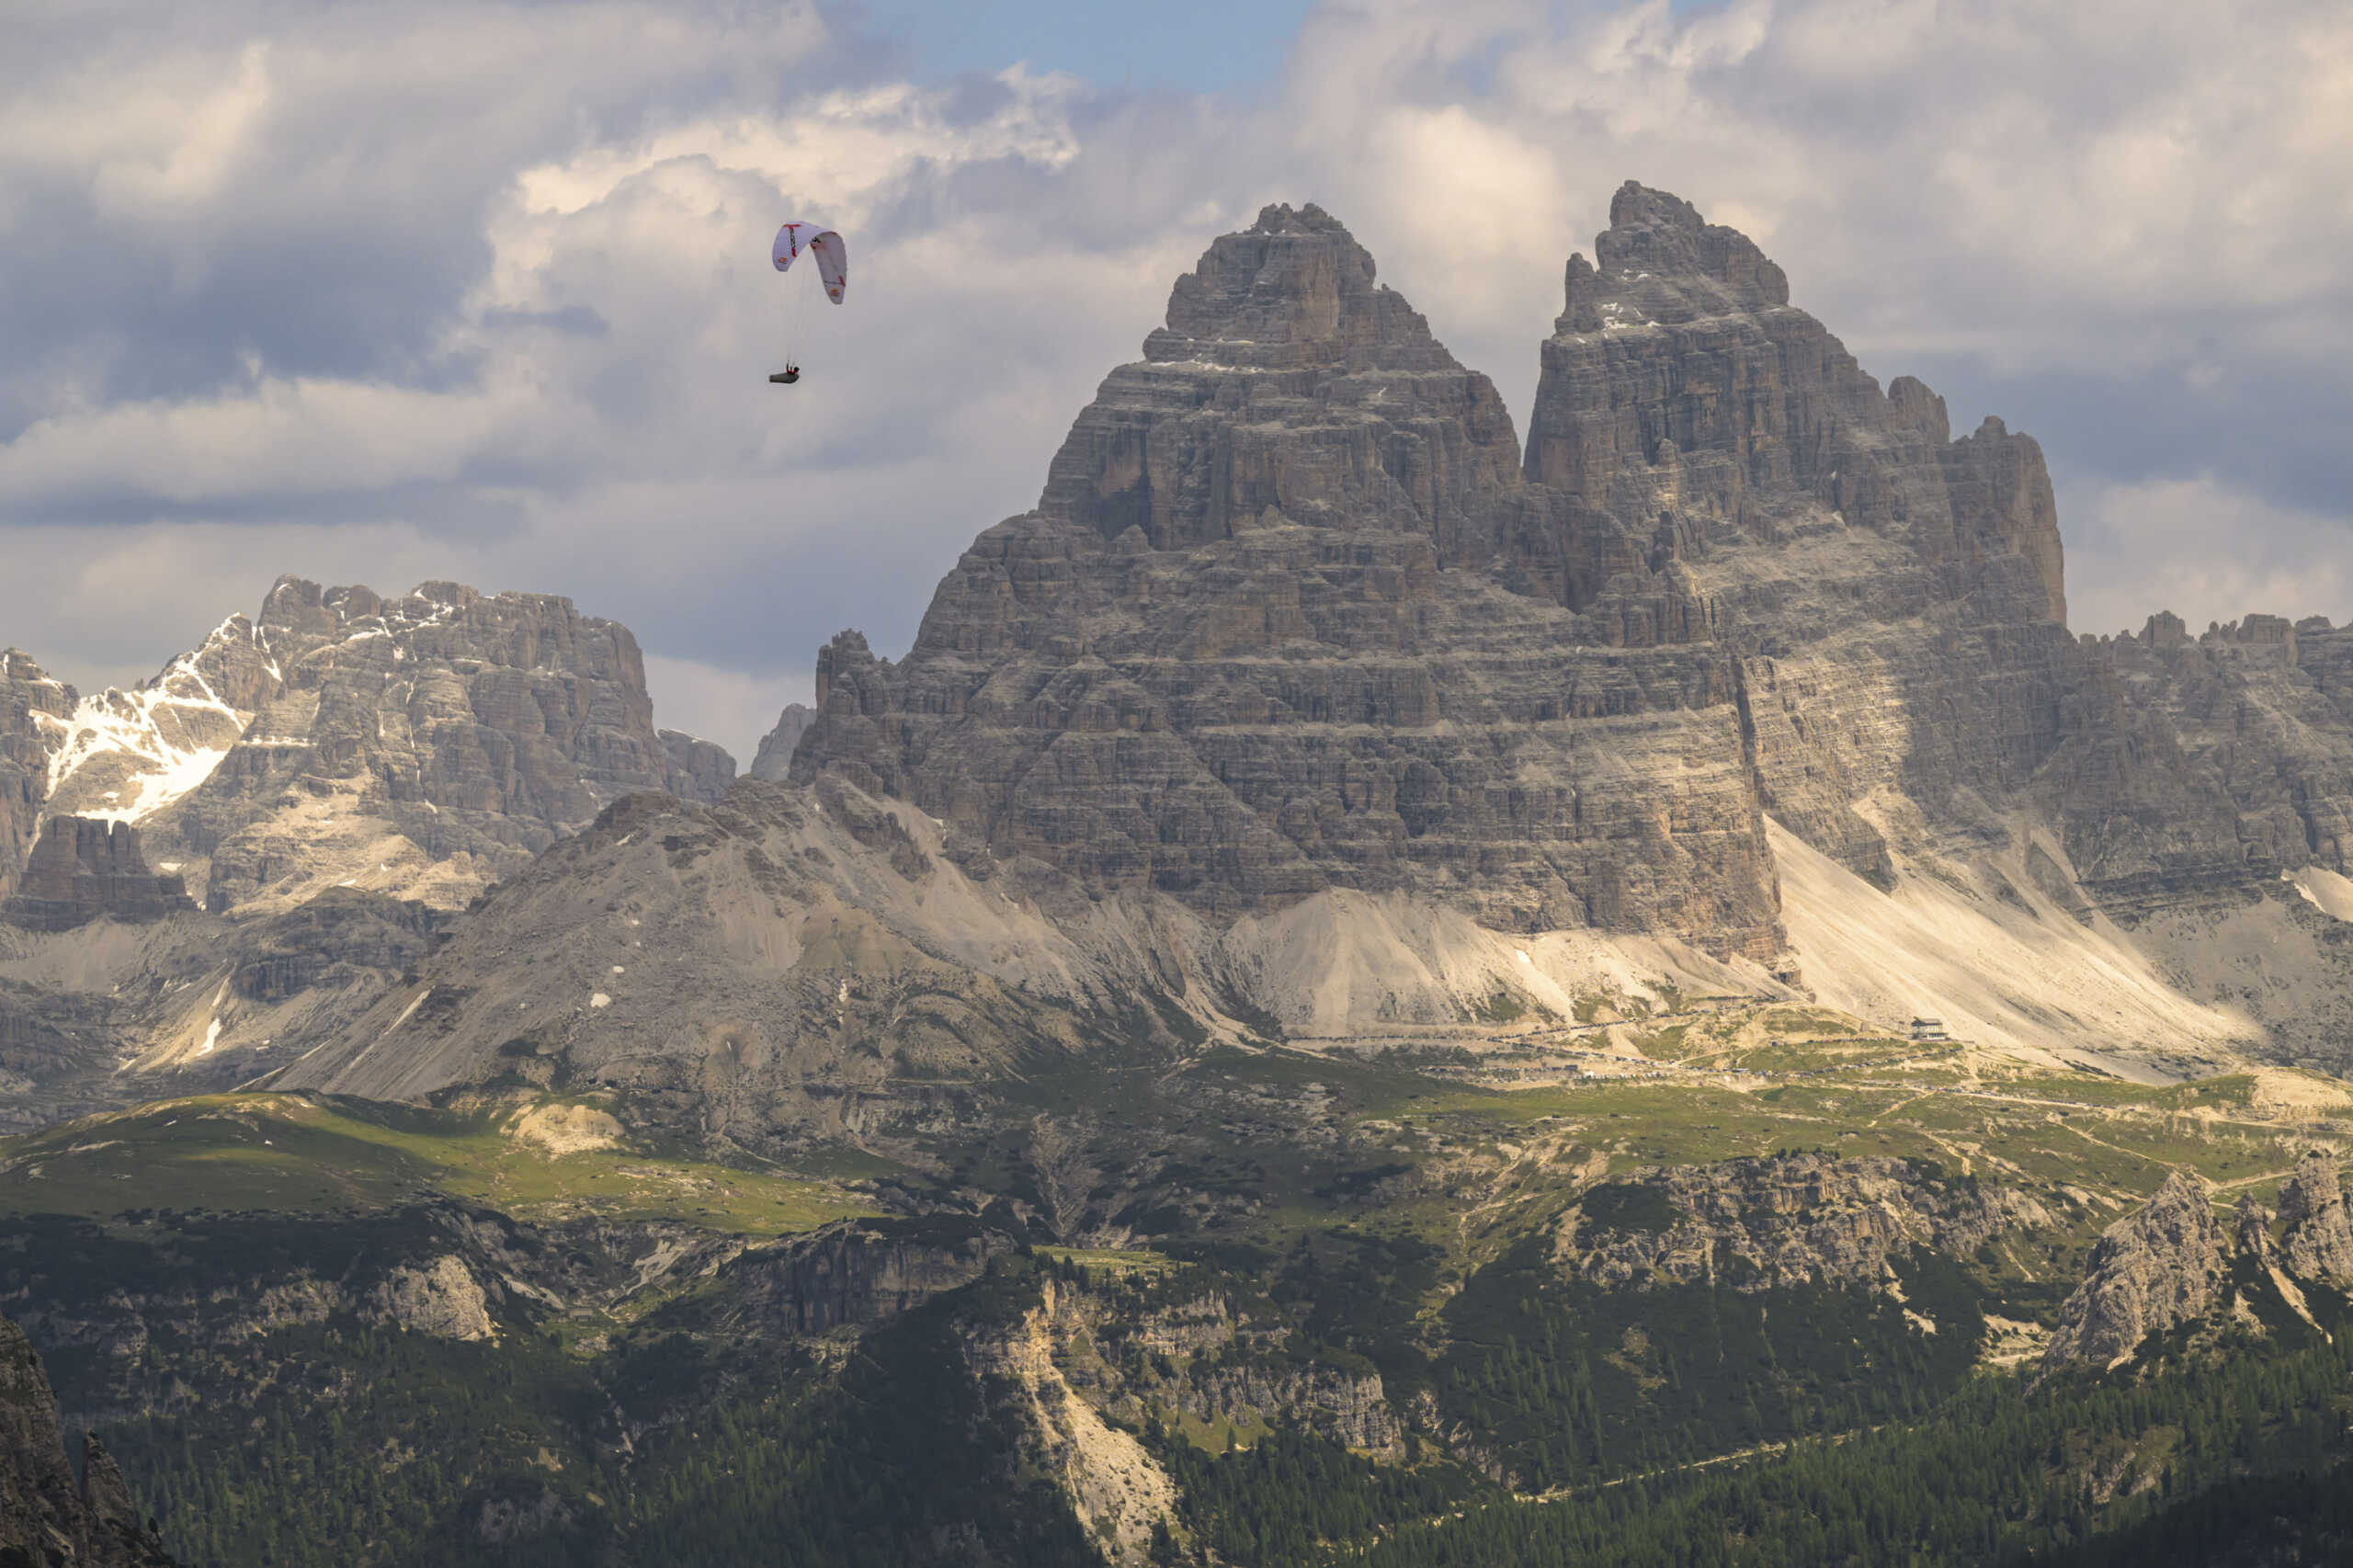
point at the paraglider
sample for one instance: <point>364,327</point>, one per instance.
<point>833,271</point>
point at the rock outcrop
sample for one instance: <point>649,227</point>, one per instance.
<point>699,769</point>
<point>1771,1223</point>
<point>48,1515</point>
<point>854,1274</point>
<point>2316,1241</point>
<point>33,710</point>
<point>1108,1478</point>
<point>84,870</point>
<point>1346,1406</point>
<point>2154,1270</point>
<point>440,1297</point>
<point>2207,762</point>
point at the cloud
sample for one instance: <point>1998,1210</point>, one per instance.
<point>479,291</point>
<point>728,705</point>
<point>2205,551</point>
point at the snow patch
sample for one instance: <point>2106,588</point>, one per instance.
<point>167,736</point>
<point>598,999</point>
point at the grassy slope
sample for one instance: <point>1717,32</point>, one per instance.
<point>316,1154</point>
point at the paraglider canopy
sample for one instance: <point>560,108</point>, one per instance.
<point>833,256</point>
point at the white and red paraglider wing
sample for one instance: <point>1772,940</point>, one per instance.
<point>833,263</point>
<point>790,241</point>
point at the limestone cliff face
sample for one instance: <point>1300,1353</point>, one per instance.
<point>854,1274</point>
<point>1682,335</point>
<point>1349,1407</point>
<point>2209,761</point>
<point>699,769</point>
<point>46,1514</point>
<point>773,762</point>
<point>2152,1270</point>
<point>1287,378</point>
<point>1888,599</point>
<point>84,870</point>
<point>2317,1241</point>
<point>1108,1478</point>
<point>33,710</point>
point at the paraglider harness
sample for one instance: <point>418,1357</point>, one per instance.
<point>785,377</point>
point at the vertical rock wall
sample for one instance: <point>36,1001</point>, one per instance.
<point>84,870</point>
<point>33,709</point>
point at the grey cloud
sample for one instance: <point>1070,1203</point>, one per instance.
<point>345,224</point>
<point>579,321</point>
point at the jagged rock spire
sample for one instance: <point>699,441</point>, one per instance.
<point>1695,267</point>
<point>1288,381</point>
<point>1293,289</point>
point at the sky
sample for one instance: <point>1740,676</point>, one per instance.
<point>461,290</point>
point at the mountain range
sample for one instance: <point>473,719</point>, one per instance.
<point>1361,971</point>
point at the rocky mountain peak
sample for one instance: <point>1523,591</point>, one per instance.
<point>1296,558</point>
<point>1293,289</point>
<point>459,731</point>
<point>415,744</point>
<point>1288,383</point>
<point>122,756</point>
<point>33,708</point>
<point>24,685</point>
<point>1660,254</point>
<point>774,761</point>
